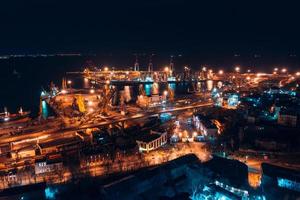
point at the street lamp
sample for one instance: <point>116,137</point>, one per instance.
<point>203,68</point>
<point>195,134</point>
<point>106,69</point>
<point>69,82</point>
<point>297,73</point>
<point>92,91</point>
<point>166,69</point>
<point>284,70</point>
<point>221,72</point>
<point>237,69</point>
<point>165,93</point>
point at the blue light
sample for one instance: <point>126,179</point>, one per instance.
<point>233,100</point>
<point>44,110</point>
<point>172,86</point>
<point>148,79</point>
<point>219,196</point>
<point>50,193</point>
<point>165,117</point>
<point>289,184</point>
<point>171,78</point>
<point>148,89</point>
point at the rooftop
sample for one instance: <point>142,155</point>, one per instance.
<point>208,124</point>
<point>49,161</point>
<point>276,171</point>
<point>143,180</point>
<point>289,111</point>
<point>148,137</point>
<point>59,142</point>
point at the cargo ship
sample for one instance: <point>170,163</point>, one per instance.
<point>7,117</point>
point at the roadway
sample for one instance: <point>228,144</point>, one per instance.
<point>145,115</point>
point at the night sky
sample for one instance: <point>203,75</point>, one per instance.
<point>48,26</point>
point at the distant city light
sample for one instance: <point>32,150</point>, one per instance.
<point>260,74</point>
<point>209,84</point>
<point>221,72</point>
<point>195,134</point>
<point>284,70</point>
<point>90,103</point>
<point>105,68</point>
<point>203,68</point>
<point>275,69</point>
<point>165,92</point>
<point>166,69</point>
<point>297,73</point>
<point>69,82</point>
<point>92,91</point>
<point>233,100</point>
<point>237,69</point>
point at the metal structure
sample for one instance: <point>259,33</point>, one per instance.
<point>136,64</point>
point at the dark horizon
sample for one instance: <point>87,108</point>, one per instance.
<point>167,27</point>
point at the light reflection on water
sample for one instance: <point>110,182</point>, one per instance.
<point>148,88</point>
<point>178,88</point>
<point>45,111</point>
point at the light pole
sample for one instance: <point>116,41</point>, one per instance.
<point>69,83</point>
<point>165,94</point>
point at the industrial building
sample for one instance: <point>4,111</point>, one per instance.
<point>152,141</point>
